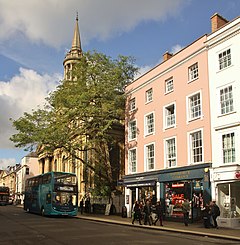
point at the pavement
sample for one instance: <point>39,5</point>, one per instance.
<point>192,229</point>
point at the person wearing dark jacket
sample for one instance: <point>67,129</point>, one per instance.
<point>81,206</point>
<point>147,212</point>
<point>137,213</point>
<point>206,213</point>
<point>215,212</point>
<point>186,210</point>
<point>159,212</point>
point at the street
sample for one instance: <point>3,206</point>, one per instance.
<point>19,227</point>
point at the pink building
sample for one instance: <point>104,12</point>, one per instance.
<point>168,137</point>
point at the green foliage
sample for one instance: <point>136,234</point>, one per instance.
<point>88,106</point>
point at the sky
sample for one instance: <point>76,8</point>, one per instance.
<point>35,36</point>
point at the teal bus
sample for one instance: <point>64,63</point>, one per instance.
<point>52,193</point>
<point>4,195</point>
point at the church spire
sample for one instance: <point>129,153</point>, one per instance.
<point>76,43</point>
<point>74,54</point>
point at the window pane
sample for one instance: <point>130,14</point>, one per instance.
<point>195,106</point>
<point>228,148</point>
<point>196,144</point>
<point>150,157</point>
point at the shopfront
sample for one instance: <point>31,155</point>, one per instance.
<point>226,182</point>
<point>190,182</point>
<point>141,187</point>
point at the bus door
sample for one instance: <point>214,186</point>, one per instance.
<point>45,199</point>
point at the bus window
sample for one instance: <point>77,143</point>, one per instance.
<point>48,198</point>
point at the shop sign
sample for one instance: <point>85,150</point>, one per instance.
<point>178,185</point>
<point>141,184</point>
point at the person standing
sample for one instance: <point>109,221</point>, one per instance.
<point>147,212</point>
<point>137,213</point>
<point>81,206</point>
<point>159,212</point>
<point>186,210</point>
<point>206,213</point>
<point>215,212</point>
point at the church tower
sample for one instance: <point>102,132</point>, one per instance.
<point>74,54</point>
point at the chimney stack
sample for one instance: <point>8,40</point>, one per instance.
<point>167,56</point>
<point>217,21</point>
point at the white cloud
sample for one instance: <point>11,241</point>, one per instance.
<point>176,48</point>
<point>4,163</point>
<point>23,92</point>
<point>50,21</point>
<point>144,69</point>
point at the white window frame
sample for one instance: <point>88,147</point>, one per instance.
<point>189,109</point>
<point>130,132</point>
<point>193,72</point>
<point>224,59</point>
<point>166,158</point>
<point>132,104</point>
<point>171,116</point>
<point>149,95</point>
<point>229,149</point>
<point>221,102</point>
<point>169,85</point>
<point>146,159</point>
<point>130,163</point>
<point>146,126</point>
<point>190,144</point>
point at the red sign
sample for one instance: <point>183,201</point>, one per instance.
<point>237,175</point>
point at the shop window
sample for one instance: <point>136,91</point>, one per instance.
<point>229,200</point>
<point>176,192</point>
<point>148,193</point>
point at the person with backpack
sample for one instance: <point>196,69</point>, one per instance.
<point>215,212</point>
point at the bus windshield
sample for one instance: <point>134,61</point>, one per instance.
<point>65,189</point>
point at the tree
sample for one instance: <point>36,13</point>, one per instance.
<point>83,114</point>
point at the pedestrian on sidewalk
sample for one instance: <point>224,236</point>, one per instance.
<point>206,213</point>
<point>186,210</point>
<point>81,206</point>
<point>159,212</point>
<point>137,213</point>
<point>147,212</point>
<point>215,212</point>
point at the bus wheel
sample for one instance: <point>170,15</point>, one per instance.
<point>42,211</point>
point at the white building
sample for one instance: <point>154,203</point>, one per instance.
<point>29,167</point>
<point>224,82</point>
